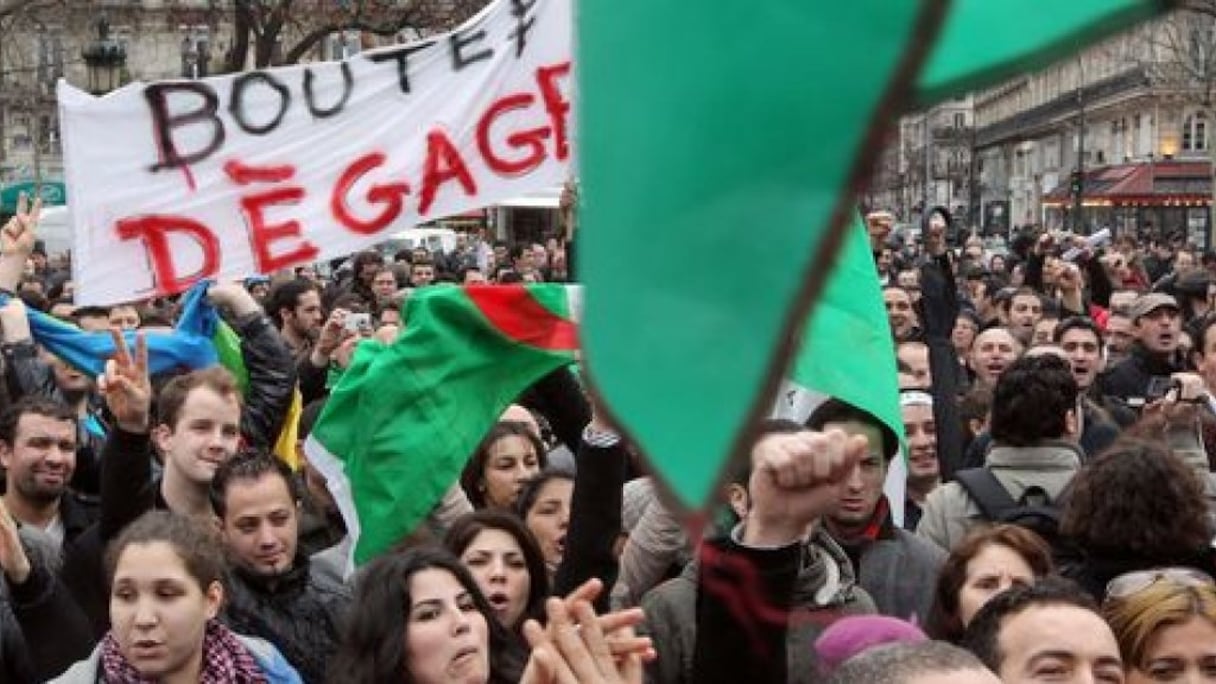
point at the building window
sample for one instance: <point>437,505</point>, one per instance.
<point>196,52</point>
<point>343,45</point>
<point>1194,132</point>
<point>960,120</point>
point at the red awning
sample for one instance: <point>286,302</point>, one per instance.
<point>1157,183</point>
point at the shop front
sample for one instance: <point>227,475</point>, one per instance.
<point>1164,200</point>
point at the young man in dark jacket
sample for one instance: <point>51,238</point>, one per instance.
<point>897,569</point>
<point>272,592</point>
<point>200,422</point>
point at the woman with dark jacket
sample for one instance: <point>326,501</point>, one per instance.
<point>1135,507</point>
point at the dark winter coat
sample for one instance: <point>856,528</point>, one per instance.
<point>300,612</point>
<point>699,637</point>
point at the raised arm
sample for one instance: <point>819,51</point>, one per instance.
<point>126,459</point>
<point>745,588</point>
<point>17,242</point>
<point>595,514</point>
<point>939,306</point>
<point>271,367</point>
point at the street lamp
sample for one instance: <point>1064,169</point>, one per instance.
<point>105,59</point>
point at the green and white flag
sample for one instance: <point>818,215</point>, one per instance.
<point>847,353</point>
<point>406,416</point>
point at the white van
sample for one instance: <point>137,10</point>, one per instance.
<point>55,229</point>
<point>436,240</point>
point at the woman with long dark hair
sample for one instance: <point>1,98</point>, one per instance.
<point>419,617</point>
<point>504,558</point>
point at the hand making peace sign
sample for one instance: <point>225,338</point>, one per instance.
<point>125,384</point>
<point>21,231</point>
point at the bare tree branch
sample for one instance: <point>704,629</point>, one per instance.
<point>1203,7</point>
<point>284,31</point>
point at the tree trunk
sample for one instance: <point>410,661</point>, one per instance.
<point>242,24</point>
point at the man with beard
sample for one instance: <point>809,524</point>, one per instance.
<point>1144,375</point>
<point>295,306</point>
<point>38,452</point>
<point>34,372</point>
<point>272,592</point>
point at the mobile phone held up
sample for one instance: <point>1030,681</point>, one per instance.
<point>1158,387</point>
<point>358,322</point>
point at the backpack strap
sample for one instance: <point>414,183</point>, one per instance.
<point>987,492</point>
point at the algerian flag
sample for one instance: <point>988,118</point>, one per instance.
<point>848,354</point>
<point>406,416</point>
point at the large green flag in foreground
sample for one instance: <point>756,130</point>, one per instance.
<point>719,155</point>
<point>847,352</point>
<point>405,417</point>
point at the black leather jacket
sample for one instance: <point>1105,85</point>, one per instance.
<point>300,612</point>
<point>272,380</point>
<point>1128,380</point>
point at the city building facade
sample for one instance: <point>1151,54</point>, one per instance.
<point>1117,136</point>
<point>927,161</point>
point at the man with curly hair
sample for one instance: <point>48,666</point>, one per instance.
<point>1034,426</point>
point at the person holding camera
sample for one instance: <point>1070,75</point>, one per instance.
<point>1144,376</point>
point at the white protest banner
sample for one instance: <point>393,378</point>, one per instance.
<point>174,181</point>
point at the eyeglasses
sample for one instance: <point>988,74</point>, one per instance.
<point>1131,583</point>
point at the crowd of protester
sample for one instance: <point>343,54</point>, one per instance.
<point>1056,523</point>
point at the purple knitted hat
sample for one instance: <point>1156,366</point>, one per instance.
<point>850,636</point>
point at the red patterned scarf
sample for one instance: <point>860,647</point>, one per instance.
<point>225,660</point>
<point>879,525</point>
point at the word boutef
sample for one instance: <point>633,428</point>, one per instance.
<point>235,175</point>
